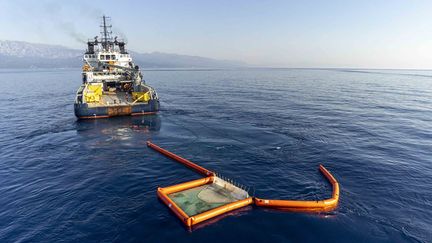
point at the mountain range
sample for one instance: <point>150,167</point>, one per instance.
<point>21,54</point>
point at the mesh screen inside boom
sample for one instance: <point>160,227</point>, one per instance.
<point>203,198</point>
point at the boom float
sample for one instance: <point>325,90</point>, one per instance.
<point>196,201</point>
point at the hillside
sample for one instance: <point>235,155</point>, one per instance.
<point>20,54</point>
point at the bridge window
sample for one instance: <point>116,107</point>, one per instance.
<point>102,57</point>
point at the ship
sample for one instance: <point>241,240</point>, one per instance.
<point>112,84</point>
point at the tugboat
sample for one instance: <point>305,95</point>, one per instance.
<point>112,85</point>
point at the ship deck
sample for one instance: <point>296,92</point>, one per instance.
<point>115,99</point>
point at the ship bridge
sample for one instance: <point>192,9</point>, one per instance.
<point>107,49</point>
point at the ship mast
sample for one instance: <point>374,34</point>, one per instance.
<point>106,33</point>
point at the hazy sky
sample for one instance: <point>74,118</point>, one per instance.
<point>372,34</point>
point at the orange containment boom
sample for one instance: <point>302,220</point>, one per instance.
<point>306,206</point>
<point>195,219</point>
<point>177,158</point>
<point>242,198</point>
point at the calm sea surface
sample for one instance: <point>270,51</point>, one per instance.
<point>63,180</point>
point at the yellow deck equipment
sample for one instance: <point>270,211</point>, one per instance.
<point>141,96</point>
<point>93,92</point>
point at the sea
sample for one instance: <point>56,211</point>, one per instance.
<point>68,180</point>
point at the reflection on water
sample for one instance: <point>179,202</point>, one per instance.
<point>125,131</point>
<point>121,124</point>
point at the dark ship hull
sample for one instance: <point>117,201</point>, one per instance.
<point>86,111</point>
